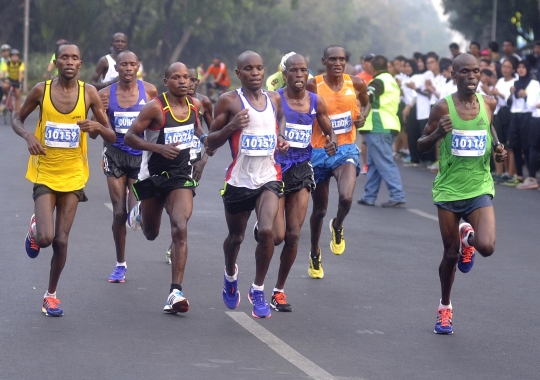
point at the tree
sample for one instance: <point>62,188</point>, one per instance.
<point>470,17</point>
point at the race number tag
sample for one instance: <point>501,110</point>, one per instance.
<point>196,148</point>
<point>123,120</point>
<point>298,135</point>
<point>58,135</point>
<point>342,123</point>
<point>258,143</point>
<point>469,143</point>
<point>182,135</point>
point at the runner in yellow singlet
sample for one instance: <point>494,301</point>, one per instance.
<point>58,165</point>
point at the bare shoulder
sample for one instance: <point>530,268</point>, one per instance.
<point>358,83</point>
<point>440,108</point>
<point>274,95</point>
<point>105,91</point>
<point>197,103</point>
<point>490,102</point>
<point>150,89</point>
<point>90,89</point>
<point>311,85</point>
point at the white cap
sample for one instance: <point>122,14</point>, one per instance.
<point>284,59</point>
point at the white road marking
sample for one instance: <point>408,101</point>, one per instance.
<point>424,214</point>
<point>108,205</point>
<point>280,347</point>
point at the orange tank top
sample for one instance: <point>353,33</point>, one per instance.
<point>342,109</point>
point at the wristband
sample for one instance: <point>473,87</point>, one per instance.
<point>203,136</point>
<point>280,135</point>
<point>496,144</point>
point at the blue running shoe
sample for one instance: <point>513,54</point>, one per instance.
<point>231,294</point>
<point>119,274</point>
<point>444,321</point>
<point>32,249</point>
<point>466,254</point>
<point>134,217</point>
<point>261,309</point>
<point>176,303</point>
<point>50,307</point>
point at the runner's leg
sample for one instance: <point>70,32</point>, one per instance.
<point>117,193</point>
<point>449,226</point>
<point>266,209</point>
<point>320,205</point>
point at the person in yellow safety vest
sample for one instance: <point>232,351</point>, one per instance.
<point>381,127</point>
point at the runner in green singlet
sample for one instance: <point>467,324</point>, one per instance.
<point>463,187</point>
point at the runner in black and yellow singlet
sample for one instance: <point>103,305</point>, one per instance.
<point>169,123</point>
<point>463,187</point>
<point>58,165</point>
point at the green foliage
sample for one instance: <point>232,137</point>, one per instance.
<point>471,17</point>
<point>191,31</point>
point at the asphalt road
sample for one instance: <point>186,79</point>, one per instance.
<point>371,317</point>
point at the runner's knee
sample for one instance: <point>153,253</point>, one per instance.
<point>60,243</point>
<point>43,240</point>
<point>485,248</point>
<point>265,234</point>
<point>345,202</point>
<point>235,239</point>
<point>292,236</point>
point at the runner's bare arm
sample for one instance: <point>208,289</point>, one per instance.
<point>500,153</point>
<point>101,69</point>
<point>283,145</point>
<point>326,127</point>
<point>362,96</point>
<point>101,126</point>
<point>104,95</point>
<point>311,85</point>
<point>33,100</point>
<point>225,124</point>
<point>439,124</point>
<point>151,91</point>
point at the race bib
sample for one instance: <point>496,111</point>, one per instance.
<point>298,135</point>
<point>123,120</point>
<point>181,134</point>
<point>469,143</point>
<point>58,135</point>
<point>258,143</point>
<point>196,148</point>
<point>342,123</point>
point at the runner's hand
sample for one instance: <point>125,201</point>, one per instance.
<point>89,126</point>
<point>241,120</point>
<point>360,121</point>
<point>283,145</point>
<point>198,168</point>
<point>444,126</point>
<point>500,153</point>
<point>34,146</point>
<point>209,152</point>
<point>330,148</point>
<point>105,101</point>
<point>169,151</point>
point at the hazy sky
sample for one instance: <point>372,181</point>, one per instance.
<point>456,36</point>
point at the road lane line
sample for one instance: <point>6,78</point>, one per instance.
<point>108,205</point>
<point>424,214</point>
<point>280,347</point>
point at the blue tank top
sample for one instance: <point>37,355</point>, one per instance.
<point>121,118</point>
<point>298,131</point>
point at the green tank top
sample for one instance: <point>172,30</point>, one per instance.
<point>464,170</point>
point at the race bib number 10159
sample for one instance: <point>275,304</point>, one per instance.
<point>58,135</point>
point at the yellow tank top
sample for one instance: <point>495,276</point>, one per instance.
<point>65,166</point>
<point>342,110</point>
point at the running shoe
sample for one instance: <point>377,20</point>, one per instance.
<point>279,302</point>
<point>231,294</point>
<point>119,274</point>
<point>168,256</point>
<point>529,183</point>
<point>364,169</point>
<point>406,159</point>
<point>514,181</point>
<point>444,321</point>
<point>337,244</point>
<point>466,254</point>
<point>50,307</point>
<point>176,303</point>
<point>260,306</point>
<point>134,217</point>
<point>315,266</point>
<point>411,164</point>
<point>32,249</point>
<point>256,231</point>
<point>434,167</point>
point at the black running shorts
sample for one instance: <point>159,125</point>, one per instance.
<point>239,199</point>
